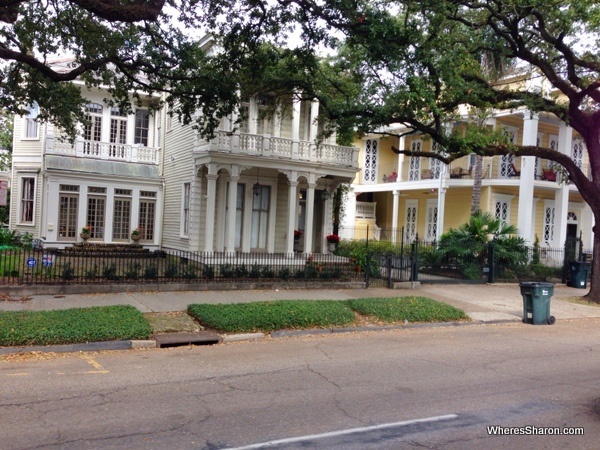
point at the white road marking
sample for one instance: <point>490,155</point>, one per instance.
<point>348,431</point>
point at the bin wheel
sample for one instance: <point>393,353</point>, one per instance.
<point>551,320</point>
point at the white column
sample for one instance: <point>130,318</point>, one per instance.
<point>292,202</point>
<point>231,205</point>
<point>348,220</point>
<point>308,226</point>
<point>401,146</point>
<point>561,196</point>
<point>253,116</point>
<point>211,191</point>
<point>525,221</point>
<point>295,126</point>
<point>314,125</point>
<point>395,205</point>
<point>441,205</point>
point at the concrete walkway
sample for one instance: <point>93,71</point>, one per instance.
<point>484,303</point>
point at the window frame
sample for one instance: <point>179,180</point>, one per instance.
<point>31,117</point>
<point>22,177</point>
<point>186,203</point>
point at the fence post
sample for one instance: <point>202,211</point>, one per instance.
<point>491,263</point>
<point>389,269</point>
<point>565,261</point>
<point>414,270</point>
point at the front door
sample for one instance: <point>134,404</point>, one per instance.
<point>260,218</point>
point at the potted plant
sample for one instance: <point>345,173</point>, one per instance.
<point>136,235</point>
<point>85,233</point>
<point>332,241</point>
<point>297,234</point>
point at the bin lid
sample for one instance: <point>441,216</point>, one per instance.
<point>536,284</point>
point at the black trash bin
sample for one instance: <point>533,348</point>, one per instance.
<point>579,274</point>
<point>536,302</point>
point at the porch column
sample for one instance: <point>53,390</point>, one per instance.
<point>348,224</point>
<point>253,116</point>
<point>296,104</point>
<point>441,205</point>
<point>292,202</point>
<point>401,146</point>
<point>561,196</point>
<point>314,125</point>
<point>231,205</point>
<point>211,191</point>
<point>525,220</point>
<point>395,205</point>
<point>308,226</point>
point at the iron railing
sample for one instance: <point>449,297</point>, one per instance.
<point>38,266</point>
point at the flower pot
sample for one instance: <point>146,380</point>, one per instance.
<point>331,246</point>
<point>136,237</point>
<point>84,236</point>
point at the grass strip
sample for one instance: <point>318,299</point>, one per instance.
<point>71,326</point>
<point>411,309</point>
<point>272,316</point>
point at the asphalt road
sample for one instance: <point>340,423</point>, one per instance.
<point>430,387</point>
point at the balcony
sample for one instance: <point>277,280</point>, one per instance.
<point>136,153</point>
<point>281,148</point>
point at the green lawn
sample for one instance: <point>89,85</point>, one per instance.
<point>70,326</point>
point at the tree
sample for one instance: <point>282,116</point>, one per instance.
<point>418,62</point>
<point>135,49</point>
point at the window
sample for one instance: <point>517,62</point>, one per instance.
<point>502,208</point>
<point>146,216</point>
<point>96,211</point>
<point>507,162</point>
<point>92,130</point>
<point>414,165</point>
<point>577,152</point>
<point>432,220</point>
<point>118,133</point>
<point>260,217</point>
<point>549,212</point>
<point>410,221</point>
<point>435,165</point>
<point>142,122</point>
<point>371,157</point>
<point>67,212</point>
<point>31,122</point>
<point>122,215</point>
<point>239,214</point>
<point>27,199</point>
<point>185,209</point>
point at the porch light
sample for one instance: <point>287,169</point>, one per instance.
<point>325,194</point>
<point>256,188</point>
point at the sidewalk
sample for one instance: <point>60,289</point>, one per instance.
<point>483,303</point>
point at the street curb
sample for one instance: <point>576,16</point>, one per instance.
<point>242,337</point>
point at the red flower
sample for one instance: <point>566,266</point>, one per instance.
<point>333,239</point>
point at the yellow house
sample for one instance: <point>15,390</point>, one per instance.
<point>399,197</point>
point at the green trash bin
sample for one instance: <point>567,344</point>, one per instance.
<point>579,274</point>
<point>536,302</point>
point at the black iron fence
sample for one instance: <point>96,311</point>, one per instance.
<point>402,259</point>
<point>108,266</point>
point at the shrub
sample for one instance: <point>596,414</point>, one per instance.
<point>132,271</point>
<point>227,270</point>
<point>284,273</point>
<point>151,272</point>
<point>255,271</point>
<point>241,271</point>
<point>67,273</point>
<point>172,270</point>
<point>110,271</point>
<point>208,272</point>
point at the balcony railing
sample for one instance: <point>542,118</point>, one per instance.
<point>275,147</point>
<point>366,210</point>
<point>103,150</point>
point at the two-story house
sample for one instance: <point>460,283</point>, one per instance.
<point>253,188</point>
<point>400,197</point>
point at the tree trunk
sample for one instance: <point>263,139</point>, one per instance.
<point>477,175</point>
<point>594,294</point>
